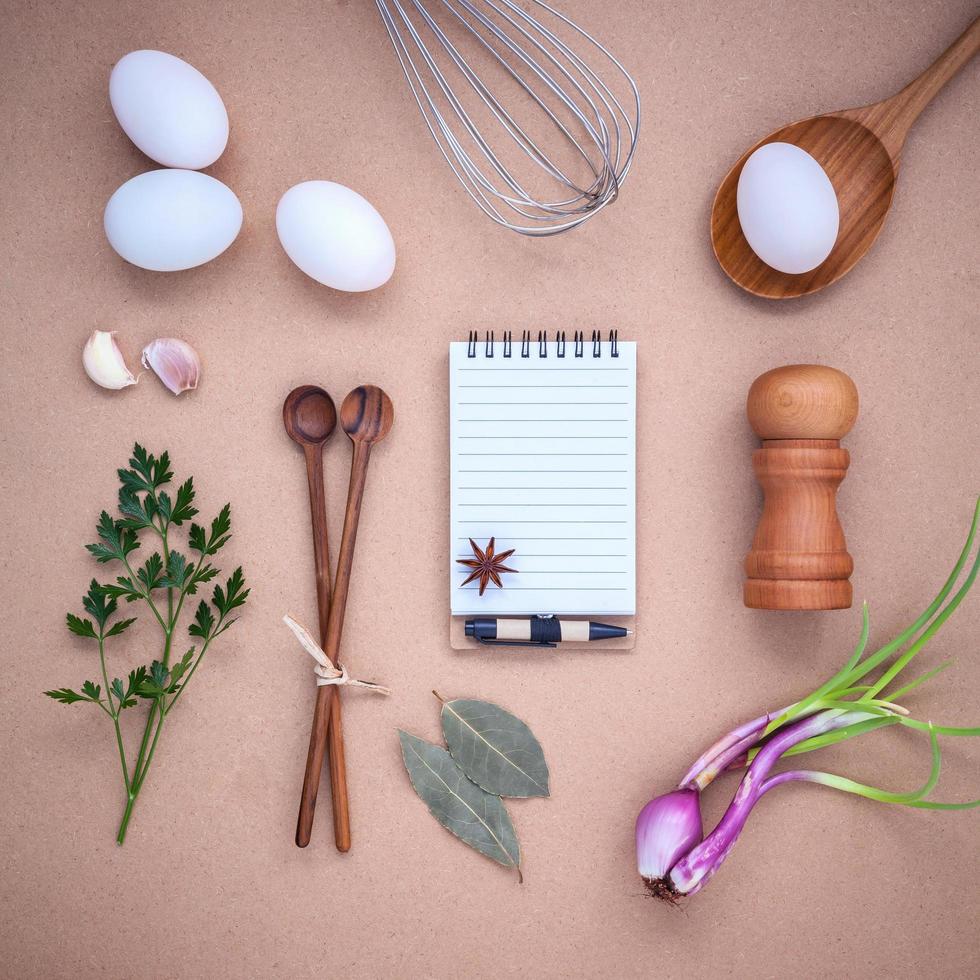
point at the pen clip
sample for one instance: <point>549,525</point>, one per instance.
<point>516,643</point>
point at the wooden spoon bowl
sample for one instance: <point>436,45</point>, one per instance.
<point>309,415</point>
<point>860,150</point>
<point>863,175</point>
<point>367,414</point>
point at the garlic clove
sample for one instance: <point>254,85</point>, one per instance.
<point>174,362</point>
<point>103,361</point>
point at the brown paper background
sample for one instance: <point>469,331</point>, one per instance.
<point>209,883</point>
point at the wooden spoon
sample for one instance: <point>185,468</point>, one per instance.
<point>366,416</point>
<point>860,150</point>
<point>310,418</point>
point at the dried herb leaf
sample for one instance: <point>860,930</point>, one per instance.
<point>474,816</point>
<point>494,748</point>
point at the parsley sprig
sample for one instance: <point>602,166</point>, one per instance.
<point>163,581</point>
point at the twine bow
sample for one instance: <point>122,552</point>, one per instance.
<point>326,672</point>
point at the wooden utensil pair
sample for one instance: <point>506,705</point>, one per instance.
<point>310,418</point>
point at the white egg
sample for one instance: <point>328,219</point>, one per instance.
<point>787,208</point>
<point>168,109</point>
<point>335,236</point>
<point>167,220</point>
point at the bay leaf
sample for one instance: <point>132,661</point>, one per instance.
<point>494,748</point>
<point>476,817</point>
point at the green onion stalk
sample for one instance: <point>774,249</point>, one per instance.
<point>674,857</point>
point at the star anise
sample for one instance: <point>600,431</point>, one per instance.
<point>486,565</point>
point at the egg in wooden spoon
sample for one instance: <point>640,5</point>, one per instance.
<point>858,151</point>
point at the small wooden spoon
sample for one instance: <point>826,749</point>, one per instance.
<point>310,418</point>
<point>860,150</point>
<point>366,416</point>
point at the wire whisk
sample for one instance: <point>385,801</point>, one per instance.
<point>554,91</point>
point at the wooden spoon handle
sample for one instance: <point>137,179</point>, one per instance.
<point>325,732</point>
<point>318,513</point>
<point>322,707</point>
<point>338,775</point>
<point>335,628</point>
<point>345,559</point>
<point>892,119</point>
<point>314,764</point>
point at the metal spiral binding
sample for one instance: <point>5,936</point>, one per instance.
<point>578,339</point>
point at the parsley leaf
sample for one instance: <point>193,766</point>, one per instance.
<point>120,627</point>
<point>162,681</point>
<point>198,538</point>
<point>183,509</point>
<point>147,473</point>
<point>65,695</point>
<point>118,540</point>
<point>138,513</point>
<point>178,670</point>
<point>203,622</point>
<point>161,469</point>
<point>134,482</point>
<point>98,605</point>
<point>124,589</point>
<point>150,574</point>
<point>212,543</point>
<point>153,685</point>
<point>127,697</point>
<point>178,571</point>
<point>234,594</point>
<point>81,627</point>
<point>203,573</point>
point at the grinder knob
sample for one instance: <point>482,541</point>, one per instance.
<point>802,401</point>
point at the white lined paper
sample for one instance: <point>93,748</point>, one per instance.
<point>543,458</point>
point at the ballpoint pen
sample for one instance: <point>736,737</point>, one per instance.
<point>539,631</point>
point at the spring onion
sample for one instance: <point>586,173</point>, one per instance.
<point>675,859</point>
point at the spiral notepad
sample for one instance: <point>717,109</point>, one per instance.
<point>543,459</point>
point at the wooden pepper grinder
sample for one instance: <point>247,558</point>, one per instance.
<point>799,558</point>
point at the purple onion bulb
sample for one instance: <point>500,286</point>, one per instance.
<point>667,828</point>
<point>694,868</point>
